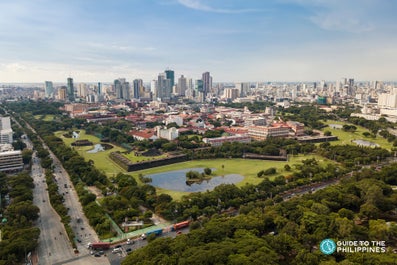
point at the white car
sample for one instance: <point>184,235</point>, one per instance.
<point>117,250</point>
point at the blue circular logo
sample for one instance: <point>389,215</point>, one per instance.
<point>327,246</point>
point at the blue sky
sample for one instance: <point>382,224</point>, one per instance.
<point>236,40</point>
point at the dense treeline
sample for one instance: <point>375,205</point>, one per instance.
<point>226,195</point>
<point>309,115</point>
<point>19,236</point>
<point>351,155</point>
<point>270,147</point>
<point>360,208</point>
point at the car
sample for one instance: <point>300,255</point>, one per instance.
<point>128,250</point>
<point>130,242</point>
<point>101,252</point>
<point>116,250</point>
<point>118,246</point>
<point>97,255</point>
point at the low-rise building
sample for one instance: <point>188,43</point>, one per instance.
<point>261,133</point>
<point>11,161</point>
<point>218,141</point>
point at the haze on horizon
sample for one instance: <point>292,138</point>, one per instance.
<point>236,40</point>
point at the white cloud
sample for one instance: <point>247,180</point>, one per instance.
<point>353,16</point>
<point>199,5</point>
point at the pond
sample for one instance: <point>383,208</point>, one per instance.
<point>365,143</point>
<point>97,148</point>
<point>176,180</point>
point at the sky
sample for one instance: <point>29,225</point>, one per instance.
<point>235,40</point>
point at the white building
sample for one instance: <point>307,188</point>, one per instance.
<point>169,134</point>
<point>11,161</point>
<point>5,131</point>
<point>174,118</point>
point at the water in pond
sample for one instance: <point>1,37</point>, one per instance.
<point>366,143</point>
<point>97,148</point>
<point>176,180</point>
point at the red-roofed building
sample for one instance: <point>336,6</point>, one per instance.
<point>143,135</point>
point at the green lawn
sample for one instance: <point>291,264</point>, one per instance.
<point>47,117</point>
<point>101,159</point>
<point>348,137</point>
<point>245,167</point>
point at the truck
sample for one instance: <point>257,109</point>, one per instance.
<point>180,225</point>
<point>157,232</point>
<point>99,245</point>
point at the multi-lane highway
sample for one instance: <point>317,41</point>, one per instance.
<point>54,244</point>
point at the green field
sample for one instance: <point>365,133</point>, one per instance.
<point>348,137</point>
<point>44,117</point>
<point>245,167</point>
<point>101,159</point>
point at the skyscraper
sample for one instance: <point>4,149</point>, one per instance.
<point>99,88</point>
<point>164,87</point>
<point>122,89</point>
<point>138,84</point>
<point>207,83</point>
<point>169,74</point>
<point>70,89</point>
<point>181,86</point>
<point>49,89</point>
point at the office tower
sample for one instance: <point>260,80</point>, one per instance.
<point>153,85</point>
<point>199,90</point>
<point>49,89</point>
<point>169,74</point>
<point>207,83</point>
<point>164,87</point>
<point>122,89</point>
<point>138,85</point>
<point>181,86</point>
<point>99,88</point>
<point>231,93</point>
<point>62,93</point>
<point>70,89</point>
<point>243,88</point>
<point>82,90</point>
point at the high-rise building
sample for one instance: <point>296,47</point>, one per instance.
<point>231,93</point>
<point>138,85</point>
<point>181,86</point>
<point>122,89</point>
<point>70,89</point>
<point>49,89</point>
<point>62,93</point>
<point>82,90</point>
<point>99,88</point>
<point>169,74</point>
<point>199,90</point>
<point>164,87</point>
<point>207,83</point>
<point>5,130</point>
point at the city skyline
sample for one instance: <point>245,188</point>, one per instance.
<point>237,41</point>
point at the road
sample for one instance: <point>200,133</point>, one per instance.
<point>54,246</point>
